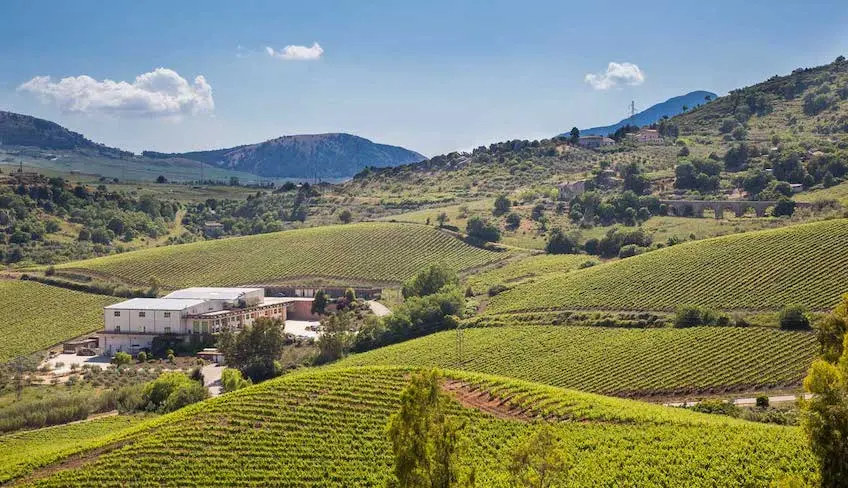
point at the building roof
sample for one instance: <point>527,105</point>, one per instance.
<point>156,304</point>
<point>206,293</point>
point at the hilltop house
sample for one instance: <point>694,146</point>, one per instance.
<point>594,142</point>
<point>647,136</point>
<point>131,325</point>
<point>569,190</point>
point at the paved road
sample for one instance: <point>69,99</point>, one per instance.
<point>378,308</point>
<point>746,402</point>
<point>212,378</point>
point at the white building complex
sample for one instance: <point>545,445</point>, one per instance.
<point>130,326</point>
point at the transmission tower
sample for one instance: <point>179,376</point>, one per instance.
<point>631,109</point>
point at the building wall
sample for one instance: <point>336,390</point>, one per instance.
<point>131,343</point>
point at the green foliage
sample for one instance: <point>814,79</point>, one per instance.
<point>526,268</point>
<point>784,208</point>
<point>337,333</point>
<point>254,350</point>
<point>425,442</point>
<point>142,357</point>
<point>361,251</point>
<point>502,205</point>
<point>482,230</point>
<point>560,243</point>
<point>319,303</point>
<point>46,315</point>
<point>429,281</point>
<point>693,316</point>
<point>831,331</point>
<point>615,361</point>
<point>794,317</point>
<point>232,380</point>
<point>539,460</point>
<point>755,270</point>
<point>122,358</point>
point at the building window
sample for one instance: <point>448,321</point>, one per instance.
<point>117,328</point>
<point>167,315</point>
<point>117,313</point>
<point>141,314</point>
<point>167,330</point>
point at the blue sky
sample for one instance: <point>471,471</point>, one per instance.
<point>432,76</point>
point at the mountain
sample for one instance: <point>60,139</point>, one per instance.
<point>334,155</point>
<point>669,108</point>
<point>24,130</point>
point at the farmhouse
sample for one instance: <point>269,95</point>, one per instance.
<point>647,136</point>
<point>131,325</point>
<point>594,142</point>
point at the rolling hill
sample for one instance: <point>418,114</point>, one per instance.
<point>764,270</point>
<point>669,108</point>
<point>615,361</point>
<point>327,428</point>
<point>303,156</point>
<point>355,253</point>
<point>36,316</point>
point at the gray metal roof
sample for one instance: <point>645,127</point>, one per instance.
<point>156,304</point>
<point>207,293</point>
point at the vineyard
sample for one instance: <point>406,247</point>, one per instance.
<point>624,362</point>
<point>22,452</point>
<point>36,316</point>
<point>524,269</point>
<point>766,270</point>
<point>368,252</point>
<point>327,428</point>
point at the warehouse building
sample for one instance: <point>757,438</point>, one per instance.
<point>131,325</point>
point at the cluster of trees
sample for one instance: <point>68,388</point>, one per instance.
<point>702,175</point>
<point>260,213</point>
<point>433,302</point>
<point>170,391</point>
<point>30,213</point>
<point>256,350</point>
<point>628,208</point>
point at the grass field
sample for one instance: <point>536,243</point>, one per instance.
<point>327,428</point>
<point>368,252</point>
<point>22,452</point>
<point>36,316</point>
<point>526,268</point>
<point>805,264</point>
<point>838,193</point>
<point>614,361</point>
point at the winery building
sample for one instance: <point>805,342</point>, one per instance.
<point>131,325</point>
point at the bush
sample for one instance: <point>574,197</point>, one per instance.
<point>429,281</point>
<point>560,243</point>
<point>121,358</point>
<point>762,401</point>
<point>232,380</point>
<point>185,395</point>
<point>794,317</point>
<point>142,357</point>
<point>497,289</point>
<point>482,230</point>
<point>692,316</point>
<point>171,391</point>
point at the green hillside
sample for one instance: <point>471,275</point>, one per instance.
<point>327,428</point>
<point>368,252</point>
<point>36,316</point>
<point>527,268</point>
<point>623,362</point>
<point>22,452</point>
<point>766,270</point>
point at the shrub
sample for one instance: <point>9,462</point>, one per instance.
<point>142,357</point>
<point>185,395</point>
<point>482,230</point>
<point>121,358</point>
<point>687,316</point>
<point>429,281</point>
<point>561,243</point>
<point>762,401</point>
<point>794,317</point>
<point>497,289</point>
<point>232,380</point>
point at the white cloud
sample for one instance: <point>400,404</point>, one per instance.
<point>297,53</point>
<point>625,73</point>
<point>159,93</point>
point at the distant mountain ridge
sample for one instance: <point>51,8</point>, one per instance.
<point>306,156</point>
<point>334,155</point>
<point>654,113</point>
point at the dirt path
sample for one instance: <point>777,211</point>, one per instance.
<point>484,401</point>
<point>378,308</point>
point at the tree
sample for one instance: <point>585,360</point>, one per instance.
<point>784,207</point>
<point>161,179</point>
<point>575,135</point>
<point>232,380</point>
<point>425,442</point>
<point>794,317</point>
<point>442,218</point>
<point>429,281</point>
<point>538,460</point>
<point>513,220</point>
<point>831,331</point>
<point>560,243</point>
<point>345,216</point>
<point>254,350</point>
<point>336,337</point>
<point>319,303</point>
<point>482,230</point>
<point>502,205</point>
<point>350,295</point>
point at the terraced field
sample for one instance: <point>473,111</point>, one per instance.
<point>327,428</point>
<point>766,270</point>
<point>623,362</point>
<point>22,452</point>
<point>35,316</point>
<point>527,268</point>
<point>369,252</point>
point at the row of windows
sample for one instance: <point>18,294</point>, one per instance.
<point>143,329</point>
<point>167,315</point>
